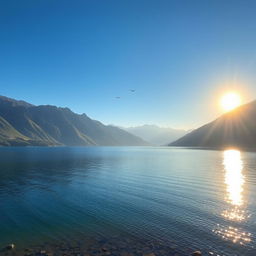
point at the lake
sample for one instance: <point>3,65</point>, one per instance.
<point>197,199</point>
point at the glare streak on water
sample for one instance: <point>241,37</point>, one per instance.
<point>236,212</point>
<point>196,198</point>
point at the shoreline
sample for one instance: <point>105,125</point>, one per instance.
<point>101,246</point>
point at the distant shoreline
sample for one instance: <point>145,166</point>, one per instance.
<point>217,148</point>
<point>129,146</point>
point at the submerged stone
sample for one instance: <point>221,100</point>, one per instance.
<point>149,254</point>
<point>10,246</point>
<point>197,253</point>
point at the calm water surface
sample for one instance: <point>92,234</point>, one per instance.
<point>194,198</point>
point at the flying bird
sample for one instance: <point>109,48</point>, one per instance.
<point>132,90</point>
<point>117,97</point>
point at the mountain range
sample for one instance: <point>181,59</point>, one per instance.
<point>236,128</point>
<point>156,135</point>
<point>24,124</point>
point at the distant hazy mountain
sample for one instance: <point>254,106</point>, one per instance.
<point>236,128</point>
<point>22,123</point>
<point>156,135</point>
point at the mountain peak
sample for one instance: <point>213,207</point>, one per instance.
<point>24,124</point>
<point>236,128</point>
<point>156,135</point>
<point>14,103</point>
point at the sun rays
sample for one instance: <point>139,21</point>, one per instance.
<point>230,101</point>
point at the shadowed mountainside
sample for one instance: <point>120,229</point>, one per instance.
<point>236,128</point>
<point>156,135</point>
<point>22,123</point>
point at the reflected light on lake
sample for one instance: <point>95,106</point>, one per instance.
<point>234,181</point>
<point>233,234</point>
<point>234,178</point>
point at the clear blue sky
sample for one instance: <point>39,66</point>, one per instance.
<point>179,56</point>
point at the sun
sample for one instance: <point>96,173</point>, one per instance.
<point>230,101</point>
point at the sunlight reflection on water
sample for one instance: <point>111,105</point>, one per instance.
<point>234,178</point>
<point>234,181</point>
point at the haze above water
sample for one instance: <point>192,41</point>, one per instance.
<point>193,198</point>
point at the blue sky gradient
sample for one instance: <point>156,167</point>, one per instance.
<point>179,56</point>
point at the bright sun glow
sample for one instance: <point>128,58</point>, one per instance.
<point>230,101</point>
